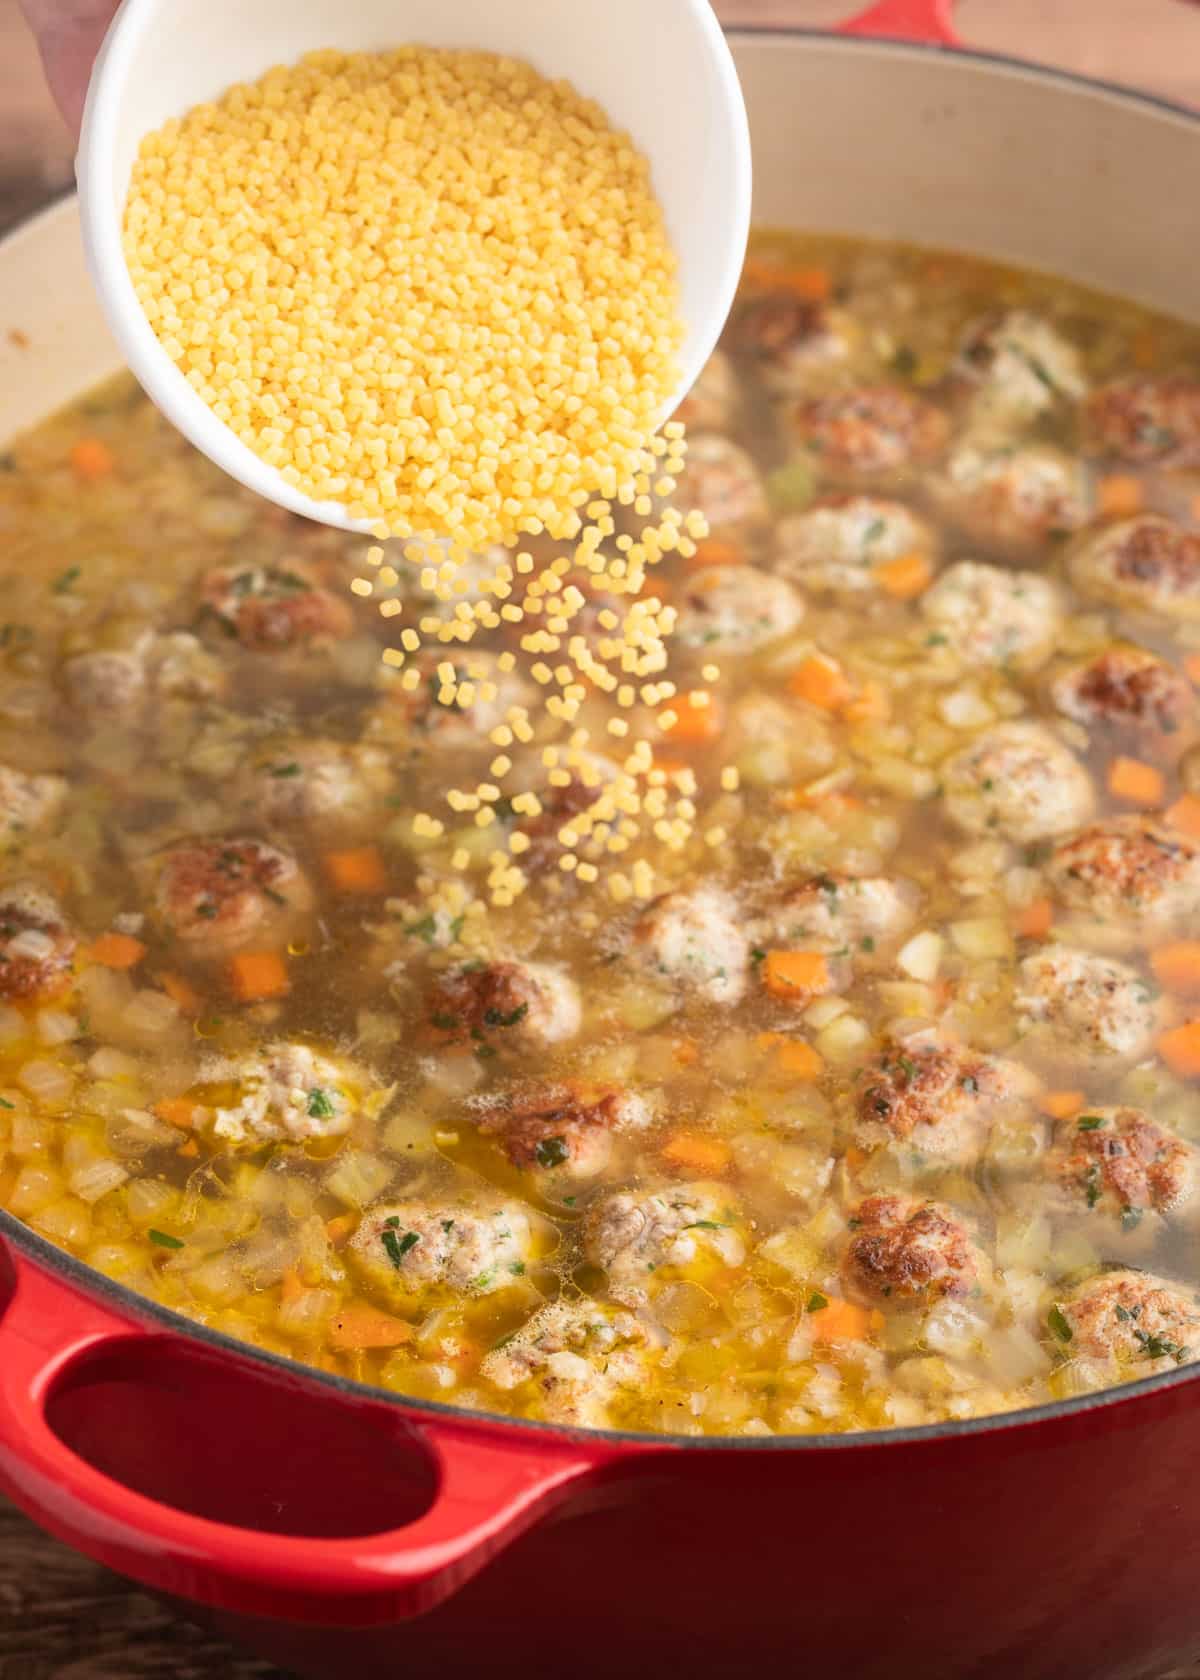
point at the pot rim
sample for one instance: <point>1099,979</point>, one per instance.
<point>131,1306</point>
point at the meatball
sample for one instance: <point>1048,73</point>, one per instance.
<point>1013,499</point>
<point>521,1005</point>
<point>1017,780</point>
<point>1141,1323</point>
<point>219,895</point>
<point>563,1127</point>
<point>1150,419</point>
<point>711,403</point>
<point>1125,688</point>
<point>844,914</point>
<point>28,802</point>
<point>37,944</point>
<point>788,337</point>
<point>635,1234</point>
<point>1116,1162</point>
<point>993,616</point>
<point>721,481</point>
<point>736,609</point>
<point>269,609</point>
<point>695,939</point>
<point>1018,367</point>
<point>330,786</point>
<point>472,1247</point>
<point>108,681</point>
<point>1147,564</point>
<point>838,544</point>
<point>1085,1009</point>
<point>868,434</point>
<point>1126,881</point>
<point>901,1249</point>
<point>940,1099</point>
<point>434,717</point>
<point>285,1091</point>
<point>578,1355</point>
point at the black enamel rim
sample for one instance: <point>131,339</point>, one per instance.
<point>139,1310</point>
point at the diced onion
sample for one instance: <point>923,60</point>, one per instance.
<point>133,1131</point>
<point>113,1064</point>
<point>32,943</point>
<point>921,957</point>
<point>65,1221</point>
<point>305,1316</point>
<point>48,1083</point>
<point>36,1187</point>
<point>97,1179</point>
<point>358,1178</point>
<point>964,709</point>
<point>1016,1357</point>
<point>148,1199</point>
<point>12,1025</point>
<point>55,1026</point>
<point>824,1011</point>
<point>982,937</point>
<point>151,1013</point>
<point>843,1040</point>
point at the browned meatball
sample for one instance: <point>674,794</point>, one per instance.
<point>1147,564</point>
<point>870,433</point>
<point>219,895</point>
<point>1126,880</point>
<point>564,1126</point>
<point>1125,688</point>
<point>271,608</point>
<point>1146,1324</point>
<point>902,1249</point>
<point>721,481</point>
<point>787,336</point>
<point>1117,1162</point>
<point>940,1099</point>
<point>1152,418</point>
<point>519,1004</point>
<point>37,946</point>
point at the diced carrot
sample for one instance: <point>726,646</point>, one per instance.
<point>258,974</point>
<point>792,1055</point>
<point>1177,966</point>
<point>714,551</point>
<point>117,950</point>
<point>686,1052</point>
<point>1196,508</point>
<point>1192,666</point>
<point>177,1111</point>
<point>821,682</point>
<point>795,975</point>
<point>1120,495</point>
<point>1061,1105</point>
<point>855,1157</point>
<point>696,1153</point>
<point>337,1230</point>
<point>906,576</point>
<point>695,724</point>
<point>182,993</point>
<point>1180,1049</point>
<point>869,705</point>
<point>91,458</point>
<point>841,1321</point>
<point>290,1285</point>
<point>812,283</point>
<point>360,870</point>
<point>358,1327</point>
<point>1184,814</point>
<point>1035,920</point>
<point>190,1149</point>
<point>1136,783</point>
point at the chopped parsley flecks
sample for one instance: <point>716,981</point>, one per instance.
<point>320,1107</point>
<point>163,1240</point>
<point>1059,1328</point>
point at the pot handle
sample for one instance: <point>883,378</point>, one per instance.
<point>928,21</point>
<point>491,1483</point>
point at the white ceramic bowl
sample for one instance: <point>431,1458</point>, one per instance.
<point>660,68</point>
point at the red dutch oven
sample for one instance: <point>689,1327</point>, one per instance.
<point>340,1530</point>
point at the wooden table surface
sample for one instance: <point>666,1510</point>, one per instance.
<point>62,1618</point>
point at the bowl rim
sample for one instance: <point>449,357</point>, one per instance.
<point>140,1311</point>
